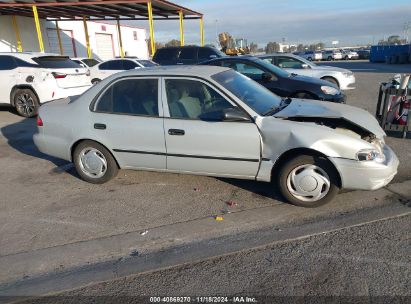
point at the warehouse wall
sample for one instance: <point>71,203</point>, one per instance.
<point>28,35</point>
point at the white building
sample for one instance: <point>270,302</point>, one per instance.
<point>103,37</point>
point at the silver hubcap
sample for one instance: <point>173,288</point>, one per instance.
<point>92,162</point>
<point>25,104</point>
<point>308,183</point>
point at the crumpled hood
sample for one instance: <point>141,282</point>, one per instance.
<point>323,109</point>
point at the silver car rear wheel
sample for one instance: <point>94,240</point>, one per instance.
<point>92,162</point>
<point>308,183</point>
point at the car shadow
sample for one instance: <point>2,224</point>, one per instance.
<point>262,190</point>
<point>19,136</point>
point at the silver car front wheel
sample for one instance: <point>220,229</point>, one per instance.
<point>308,181</point>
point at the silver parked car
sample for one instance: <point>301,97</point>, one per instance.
<point>344,79</point>
<point>214,121</point>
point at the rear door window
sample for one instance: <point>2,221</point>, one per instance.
<point>130,96</point>
<point>7,63</point>
<point>56,62</point>
<point>166,54</point>
<point>188,54</point>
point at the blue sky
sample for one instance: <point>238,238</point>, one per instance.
<point>298,21</point>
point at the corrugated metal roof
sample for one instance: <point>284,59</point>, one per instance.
<point>96,9</point>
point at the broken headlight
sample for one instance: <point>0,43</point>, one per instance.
<point>330,90</point>
<point>371,155</point>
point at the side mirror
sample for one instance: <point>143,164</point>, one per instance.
<point>235,114</point>
<point>266,76</point>
<point>305,66</point>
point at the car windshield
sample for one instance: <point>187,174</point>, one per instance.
<point>257,97</point>
<point>56,62</point>
<point>90,62</point>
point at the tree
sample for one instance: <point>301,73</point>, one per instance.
<point>253,47</point>
<point>300,47</point>
<point>272,47</point>
<point>173,42</point>
<point>158,45</point>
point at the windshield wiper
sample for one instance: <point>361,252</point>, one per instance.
<point>284,103</point>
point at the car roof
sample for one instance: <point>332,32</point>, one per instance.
<point>278,54</point>
<point>186,70</point>
<point>29,55</point>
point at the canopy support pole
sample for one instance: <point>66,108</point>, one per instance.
<point>181,15</point>
<point>120,40</point>
<point>59,38</point>
<point>16,30</point>
<point>38,29</point>
<point>89,55</point>
<point>201,31</point>
<point>150,19</point>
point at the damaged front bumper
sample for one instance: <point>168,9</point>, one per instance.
<point>367,175</point>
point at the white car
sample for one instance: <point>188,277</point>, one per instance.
<point>310,55</point>
<point>211,120</point>
<point>349,55</point>
<point>332,55</point>
<point>342,78</point>
<point>86,62</point>
<point>110,67</point>
<point>30,79</point>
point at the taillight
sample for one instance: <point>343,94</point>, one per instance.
<point>39,121</point>
<point>59,75</point>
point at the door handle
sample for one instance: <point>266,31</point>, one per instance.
<point>176,132</point>
<point>99,126</point>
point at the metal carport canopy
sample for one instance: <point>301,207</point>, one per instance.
<point>83,10</point>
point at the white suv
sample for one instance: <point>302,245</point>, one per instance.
<point>29,79</point>
<point>110,67</point>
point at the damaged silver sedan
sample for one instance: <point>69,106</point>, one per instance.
<point>214,121</point>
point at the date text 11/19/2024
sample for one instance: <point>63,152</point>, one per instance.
<point>203,299</point>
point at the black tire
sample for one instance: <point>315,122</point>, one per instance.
<point>310,59</point>
<point>95,81</point>
<point>302,160</point>
<point>346,58</point>
<point>26,103</point>
<point>111,165</point>
<point>332,80</point>
<point>304,95</point>
<point>329,58</point>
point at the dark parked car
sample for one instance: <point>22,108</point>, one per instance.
<point>185,54</point>
<point>363,54</point>
<point>279,81</point>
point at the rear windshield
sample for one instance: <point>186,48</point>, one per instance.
<point>56,62</point>
<point>147,63</point>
